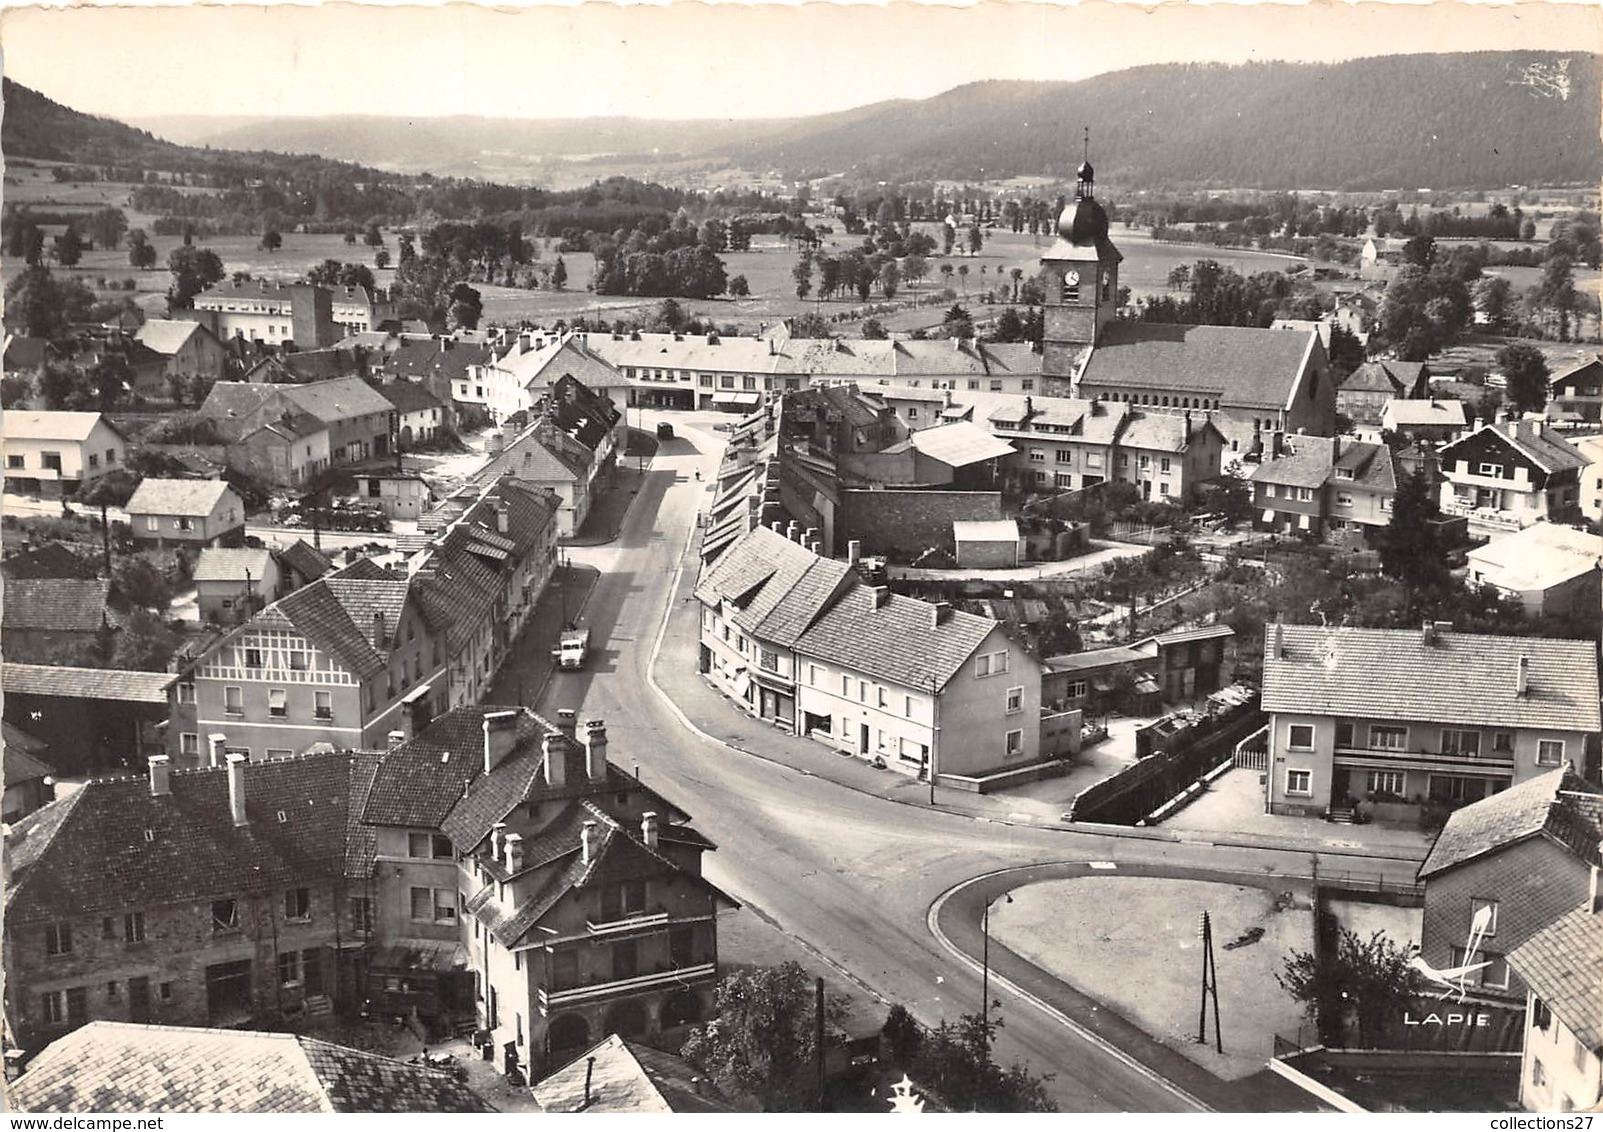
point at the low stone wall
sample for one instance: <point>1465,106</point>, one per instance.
<point>901,524</point>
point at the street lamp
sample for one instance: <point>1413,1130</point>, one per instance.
<point>985,972</point>
<point>935,730</point>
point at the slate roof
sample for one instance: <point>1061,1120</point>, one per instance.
<point>1538,805</point>
<point>21,425</point>
<point>125,1067</point>
<point>1244,367</point>
<point>168,335</point>
<point>195,498</point>
<point>306,560</point>
<point>778,587</point>
<point>1467,678</point>
<point>1416,412</point>
<point>896,642</point>
<point>112,844</point>
<point>85,683</point>
<point>52,560</point>
<point>228,564</point>
<point>617,1075</point>
<point>58,605</point>
<point>409,397</point>
<point>1563,965</point>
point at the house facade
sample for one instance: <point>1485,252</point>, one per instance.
<point>236,900</point>
<point>420,418</point>
<point>289,433</point>
<point>1577,394</point>
<point>232,584</point>
<point>1561,1061</point>
<point>187,348</point>
<point>188,514</point>
<point>1398,719</point>
<point>1510,474</point>
<point>1520,860</point>
<point>57,453</point>
<point>1319,485</point>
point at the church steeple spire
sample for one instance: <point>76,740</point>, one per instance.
<point>1084,175</point>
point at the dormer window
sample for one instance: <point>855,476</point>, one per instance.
<point>1344,473</point>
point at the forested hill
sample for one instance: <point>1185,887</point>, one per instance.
<point>1487,119</point>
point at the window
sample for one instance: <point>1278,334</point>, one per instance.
<point>1037,456</point>
<point>907,706</point>
<point>1549,752</point>
<point>625,959</point>
<point>1015,700</point>
<point>1388,738</point>
<point>68,1007</point>
<point>422,904</point>
<point>184,523</point>
<point>634,897</point>
<point>884,699</point>
<point>1146,462</point>
<point>1344,499</point>
<point>990,664</point>
<point>234,701</point>
<point>1465,743</point>
<point>1164,464</point>
<point>1076,690</point>
<point>1163,488</point>
<point>1502,742</point>
<point>111,456</point>
<point>812,675</point>
<point>1386,782</point>
<point>152,523</point>
<point>767,659</point>
<point>1476,906</point>
<point>298,904</point>
<point>225,915</point>
<point>186,693</point>
<point>1300,783</point>
<point>323,705</point>
<point>50,461</point>
<point>133,927</point>
<point>845,685</point>
<point>14,461</point>
<point>1015,743</point>
<point>1494,974</point>
<point>94,460</point>
<point>1344,733</point>
<point>277,702</point>
<point>1300,737</point>
<point>1493,470</point>
<point>58,939</point>
<point>189,743</point>
<point>289,968</point>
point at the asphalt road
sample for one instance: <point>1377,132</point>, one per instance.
<point>851,875</point>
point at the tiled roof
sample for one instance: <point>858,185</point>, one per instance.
<point>336,612</point>
<point>20,425</point>
<point>168,335</point>
<point>1243,367</point>
<point>1424,412</point>
<point>1534,806</point>
<point>778,586</point>
<point>1394,379</point>
<point>897,642</point>
<point>52,560</point>
<point>337,400</point>
<point>112,844</point>
<point>409,397</point>
<point>1459,678</point>
<point>85,683</point>
<point>228,564</point>
<point>621,1076</point>
<point>60,605</point>
<point>236,400</point>
<point>529,458</point>
<point>1563,965</point>
<point>1541,445</point>
<point>1312,461</point>
<point>125,1067</point>
<point>1162,432</point>
<point>419,781</point>
<point>194,498</point>
<point>306,560</point>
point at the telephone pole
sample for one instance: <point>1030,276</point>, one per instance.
<point>1210,985</point>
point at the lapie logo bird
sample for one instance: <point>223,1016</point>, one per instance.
<point>1455,980</point>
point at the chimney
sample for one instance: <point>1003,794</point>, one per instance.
<point>1536,428</point>
<point>160,776</point>
<point>779,527</point>
<point>1280,640</point>
<point>500,736</point>
<point>793,530</point>
<point>1188,433</point>
<point>236,787</point>
<point>1428,633</point>
<point>215,742</point>
<point>648,828</point>
<point>395,739</point>
<point>514,852</point>
<point>1029,406</point>
<point>501,519</point>
<point>810,537</point>
<point>1522,682</point>
<point>939,612</point>
<point>568,722</point>
<point>595,749</point>
<point>555,750</point>
<point>379,636</point>
<point>497,837</point>
<point>881,595</point>
<point>587,841</point>
<point>817,548</point>
<point>525,341</point>
<point>854,551</point>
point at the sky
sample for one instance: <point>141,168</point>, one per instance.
<point>691,60</point>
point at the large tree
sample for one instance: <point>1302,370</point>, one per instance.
<point>40,305</point>
<point>194,269</point>
<point>1526,370</point>
<point>954,1062</point>
<point>1367,982</point>
<point>762,1040</point>
<point>1410,550</point>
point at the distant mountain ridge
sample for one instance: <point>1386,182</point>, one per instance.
<point>1468,120</point>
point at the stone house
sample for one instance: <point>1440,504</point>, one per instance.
<point>186,514</point>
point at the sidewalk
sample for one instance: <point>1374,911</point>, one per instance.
<point>608,512</point>
<point>1040,805</point>
<point>527,668</point>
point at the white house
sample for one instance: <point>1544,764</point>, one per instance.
<point>53,453</point>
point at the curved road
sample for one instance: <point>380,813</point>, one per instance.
<point>851,875</point>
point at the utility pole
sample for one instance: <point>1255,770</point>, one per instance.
<point>818,1041</point>
<point>1210,985</point>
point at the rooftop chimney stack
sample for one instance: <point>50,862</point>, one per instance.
<point>939,612</point>
<point>497,839</point>
<point>395,738</point>
<point>595,749</point>
<point>648,828</point>
<point>1522,682</point>
<point>793,531</point>
<point>854,551</point>
<point>882,594</point>
<point>379,636</point>
<point>160,776</point>
<point>214,744</point>
<point>500,736</point>
<point>514,852</point>
<point>501,519</point>
<point>587,841</point>
<point>779,527</point>
<point>554,751</point>
<point>236,787</point>
<point>1427,632</point>
<point>568,722</point>
<point>1280,640</point>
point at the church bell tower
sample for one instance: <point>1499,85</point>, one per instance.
<point>1082,283</point>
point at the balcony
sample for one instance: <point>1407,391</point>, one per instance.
<point>1419,758</point>
<point>628,923</point>
<point>673,977</point>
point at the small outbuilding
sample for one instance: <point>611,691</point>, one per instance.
<point>991,544</point>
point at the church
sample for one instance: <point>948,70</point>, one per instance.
<point>1250,382</point>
